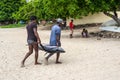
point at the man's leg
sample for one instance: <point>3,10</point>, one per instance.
<point>27,55</point>
<point>47,56</point>
<point>72,33</point>
<point>57,58</point>
<point>35,46</point>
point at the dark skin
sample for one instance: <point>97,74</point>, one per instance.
<point>86,32</point>
<point>32,47</point>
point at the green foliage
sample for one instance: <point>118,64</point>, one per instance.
<point>49,9</point>
<point>7,8</point>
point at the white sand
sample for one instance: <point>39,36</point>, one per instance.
<point>85,58</point>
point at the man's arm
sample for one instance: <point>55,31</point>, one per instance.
<point>58,35</point>
<point>36,34</point>
<point>58,40</point>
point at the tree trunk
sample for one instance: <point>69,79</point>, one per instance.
<point>115,17</point>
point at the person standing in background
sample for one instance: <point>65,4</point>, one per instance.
<point>71,25</point>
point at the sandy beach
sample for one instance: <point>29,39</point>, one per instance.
<point>85,58</point>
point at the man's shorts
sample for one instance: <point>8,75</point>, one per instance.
<point>31,42</point>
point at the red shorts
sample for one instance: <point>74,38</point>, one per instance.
<point>71,28</point>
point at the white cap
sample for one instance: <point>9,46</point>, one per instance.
<point>59,20</point>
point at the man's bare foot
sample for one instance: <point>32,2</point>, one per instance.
<point>46,61</point>
<point>37,63</point>
<point>22,65</point>
<point>58,62</point>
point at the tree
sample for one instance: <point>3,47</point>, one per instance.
<point>79,8</point>
<point>7,8</point>
<point>34,7</point>
<point>108,7</point>
<point>48,9</point>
